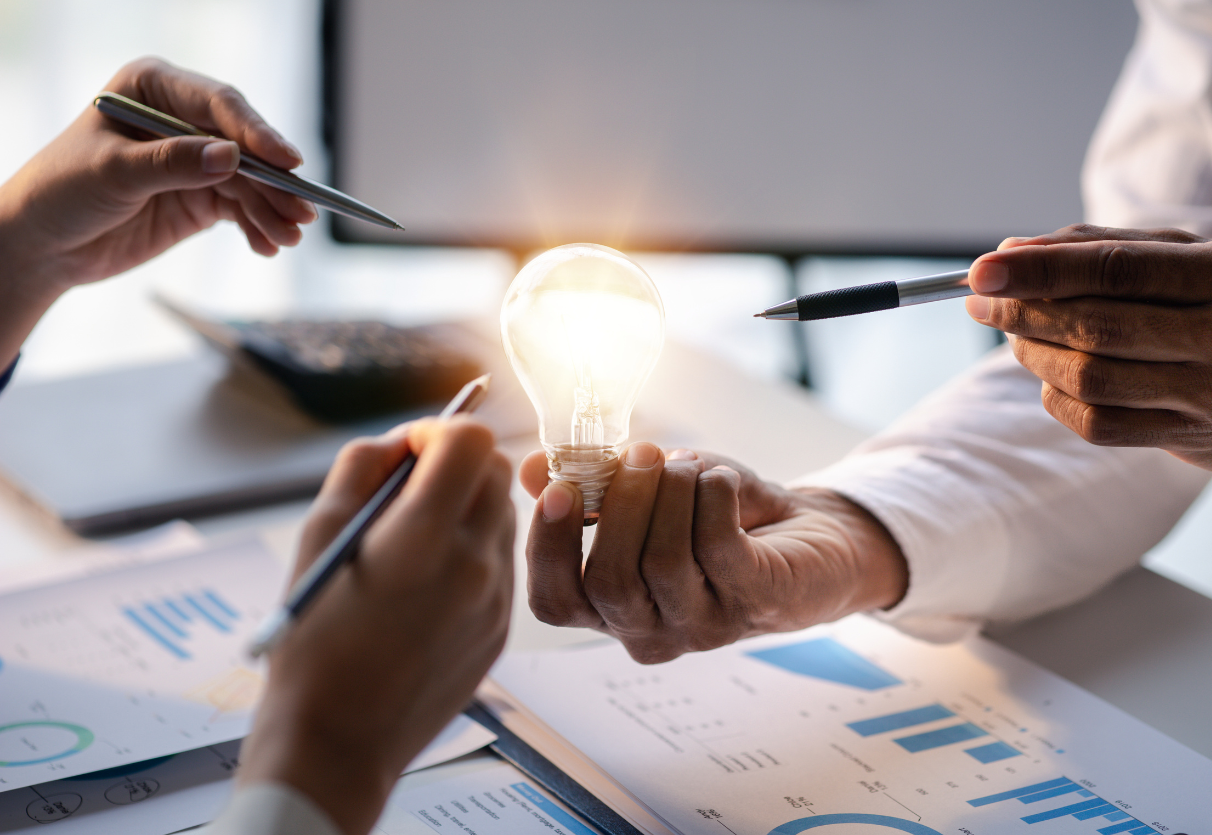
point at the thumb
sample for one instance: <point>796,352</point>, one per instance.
<point>180,162</point>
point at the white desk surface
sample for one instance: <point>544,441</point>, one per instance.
<point>1143,644</point>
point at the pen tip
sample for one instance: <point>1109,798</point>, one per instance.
<point>398,227</point>
<point>761,315</point>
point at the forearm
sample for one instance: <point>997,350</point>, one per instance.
<point>1003,513</point>
<point>24,296</point>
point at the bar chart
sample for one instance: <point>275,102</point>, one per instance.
<point>987,752</point>
<point>827,660</point>
<point>171,621</point>
<point>1090,807</point>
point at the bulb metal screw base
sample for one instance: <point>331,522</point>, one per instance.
<point>590,469</point>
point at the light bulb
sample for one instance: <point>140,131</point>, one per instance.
<point>583,326</point>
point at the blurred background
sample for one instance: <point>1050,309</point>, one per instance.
<point>913,161</point>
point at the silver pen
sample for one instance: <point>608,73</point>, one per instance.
<point>869,298</point>
<point>138,115</point>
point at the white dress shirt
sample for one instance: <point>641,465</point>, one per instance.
<point>1002,512</point>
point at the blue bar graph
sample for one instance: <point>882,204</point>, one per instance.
<point>155,634</point>
<point>993,752</point>
<point>827,660</point>
<point>1090,807</point>
<point>169,621</point>
<point>551,809</point>
<point>937,739</point>
<point>899,721</point>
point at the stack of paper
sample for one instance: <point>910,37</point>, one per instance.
<point>850,725</point>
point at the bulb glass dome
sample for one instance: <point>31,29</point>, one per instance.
<point>583,326</point>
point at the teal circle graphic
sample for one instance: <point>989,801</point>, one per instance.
<point>797,826</point>
<point>84,738</point>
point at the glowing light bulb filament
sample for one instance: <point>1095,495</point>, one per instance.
<point>587,429</point>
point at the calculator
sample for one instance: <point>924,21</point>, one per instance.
<point>339,371</point>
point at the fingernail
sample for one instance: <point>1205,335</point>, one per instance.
<point>313,214</point>
<point>723,467</point>
<point>978,307</point>
<point>557,501</point>
<point>642,455</point>
<point>289,146</point>
<point>220,157</point>
<point>1008,242</point>
<point>989,277</point>
<point>683,455</point>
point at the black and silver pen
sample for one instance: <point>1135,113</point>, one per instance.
<point>869,298</point>
<point>343,548</point>
<point>139,115</point>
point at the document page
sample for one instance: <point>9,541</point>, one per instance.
<point>168,794</point>
<point>493,800</point>
<point>857,729</point>
<point>141,662</point>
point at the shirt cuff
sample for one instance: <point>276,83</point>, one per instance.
<point>271,809</point>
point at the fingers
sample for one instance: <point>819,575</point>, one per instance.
<point>613,582</point>
<point>208,104</point>
<point>1089,232</point>
<point>1105,381</point>
<point>1122,427</point>
<point>452,458</point>
<point>553,560</point>
<point>1157,271</point>
<point>359,470</point>
<point>143,169</point>
<point>260,212</point>
<point>720,543</point>
<point>667,565</point>
<point>533,473</point>
<point>1107,327</point>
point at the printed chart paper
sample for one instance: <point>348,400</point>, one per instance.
<point>148,798</point>
<point>497,800</point>
<point>138,663</point>
<point>171,793</point>
<point>855,729</point>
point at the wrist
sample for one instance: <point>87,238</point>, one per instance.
<point>338,763</point>
<point>25,292</point>
<point>876,568</point>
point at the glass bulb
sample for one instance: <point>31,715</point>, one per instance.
<point>583,326</point>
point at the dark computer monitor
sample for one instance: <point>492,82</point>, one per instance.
<point>787,126</point>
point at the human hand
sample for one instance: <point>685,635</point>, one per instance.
<point>1115,322</point>
<point>694,551</point>
<point>96,202</point>
<point>395,646</point>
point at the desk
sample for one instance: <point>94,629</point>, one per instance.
<point>1143,644</point>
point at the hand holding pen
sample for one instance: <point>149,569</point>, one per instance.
<point>394,647</point>
<point>99,199</point>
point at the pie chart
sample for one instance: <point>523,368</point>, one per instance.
<point>31,743</point>
<point>854,824</point>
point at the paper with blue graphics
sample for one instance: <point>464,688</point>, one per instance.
<point>855,729</point>
<point>136,663</point>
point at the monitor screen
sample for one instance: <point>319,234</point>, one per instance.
<point>789,126</point>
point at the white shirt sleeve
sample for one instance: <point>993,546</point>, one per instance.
<point>271,809</point>
<point>1001,511</point>
<point>1150,161</point>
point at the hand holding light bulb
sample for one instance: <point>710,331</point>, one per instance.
<point>583,326</point>
<point>693,551</point>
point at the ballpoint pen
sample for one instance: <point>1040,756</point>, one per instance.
<point>345,546</point>
<point>868,298</point>
<point>138,115</point>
